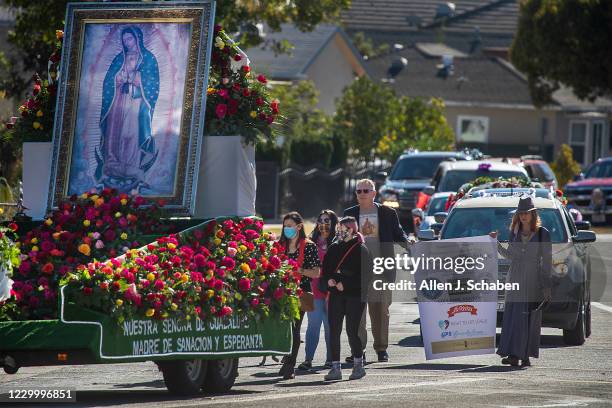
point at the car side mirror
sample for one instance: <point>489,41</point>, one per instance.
<point>440,217</point>
<point>436,226</point>
<point>381,175</point>
<point>418,213</point>
<point>584,237</point>
<point>426,235</point>
<point>583,225</point>
<point>429,190</point>
<point>579,177</point>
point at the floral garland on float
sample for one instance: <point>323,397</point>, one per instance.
<point>219,269</point>
<point>238,101</point>
<point>486,182</point>
<point>83,228</point>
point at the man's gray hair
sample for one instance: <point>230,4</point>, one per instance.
<point>365,180</point>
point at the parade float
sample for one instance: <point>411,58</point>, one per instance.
<point>145,251</point>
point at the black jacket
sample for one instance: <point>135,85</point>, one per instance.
<point>349,273</point>
<point>389,230</point>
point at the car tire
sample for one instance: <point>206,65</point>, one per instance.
<point>577,335</point>
<point>184,377</point>
<point>587,320</point>
<point>221,375</point>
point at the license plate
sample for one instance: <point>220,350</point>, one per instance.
<point>500,307</point>
<point>598,218</point>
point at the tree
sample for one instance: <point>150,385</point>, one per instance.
<point>366,47</point>
<point>565,42</point>
<point>36,22</point>
<point>564,166</point>
<point>422,126</point>
<point>364,114</point>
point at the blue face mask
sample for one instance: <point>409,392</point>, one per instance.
<point>290,232</point>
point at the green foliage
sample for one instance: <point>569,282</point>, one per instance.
<point>364,114</point>
<point>564,166</point>
<point>421,125</point>
<point>565,42</point>
<point>366,47</point>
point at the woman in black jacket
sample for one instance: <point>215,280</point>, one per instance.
<point>346,258</point>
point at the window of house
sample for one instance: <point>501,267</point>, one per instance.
<point>577,140</point>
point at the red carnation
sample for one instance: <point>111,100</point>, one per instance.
<point>244,284</point>
<point>48,268</point>
<point>221,110</point>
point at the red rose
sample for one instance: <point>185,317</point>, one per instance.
<point>246,68</point>
<point>254,302</point>
<point>246,93</point>
<point>244,284</point>
<point>88,291</point>
<point>13,227</point>
<point>262,78</point>
<point>259,101</point>
<point>221,110</point>
<point>48,268</point>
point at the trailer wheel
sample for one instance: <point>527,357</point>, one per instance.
<point>184,377</point>
<point>220,375</point>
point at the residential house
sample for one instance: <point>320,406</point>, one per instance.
<point>325,56</point>
<point>461,56</point>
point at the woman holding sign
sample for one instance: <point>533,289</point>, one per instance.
<point>530,253</point>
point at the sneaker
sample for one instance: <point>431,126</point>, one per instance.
<point>335,374</point>
<point>349,359</point>
<point>513,361</point>
<point>383,356</point>
<point>328,364</point>
<point>306,365</point>
<point>357,373</point>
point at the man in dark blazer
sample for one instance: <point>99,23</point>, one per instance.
<point>381,229</point>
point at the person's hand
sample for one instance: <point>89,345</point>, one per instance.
<point>331,283</point>
<point>547,292</point>
<point>339,286</point>
<point>493,234</point>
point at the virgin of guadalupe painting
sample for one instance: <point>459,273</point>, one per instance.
<point>130,91</point>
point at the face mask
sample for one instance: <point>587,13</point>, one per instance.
<point>290,232</point>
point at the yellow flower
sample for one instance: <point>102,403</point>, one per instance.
<point>86,223</point>
<point>174,306</point>
<point>210,91</point>
<point>245,268</point>
<point>84,196</point>
<point>117,214</point>
<point>48,221</point>
<point>36,125</point>
<point>217,241</point>
<point>243,248</point>
<point>34,248</point>
<point>188,317</point>
<point>150,312</point>
<point>123,201</point>
<point>56,236</point>
<point>171,245</point>
<point>84,249</point>
<point>210,293</point>
<point>164,315</point>
<point>253,114</point>
<point>124,236</point>
<point>1,211</point>
<point>119,302</point>
<point>53,74</point>
<point>39,114</point>
<point>184,278</point>
<point>59,34</point>
<point>238,296</point>
<point>34,240</point>
<point>99,202</point>
<point>151,276</point>
<point>93,198</point>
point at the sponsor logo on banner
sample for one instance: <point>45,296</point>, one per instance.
<point>462,309</point>
<point>443,324</point>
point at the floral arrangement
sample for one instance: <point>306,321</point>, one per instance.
<point>487,182</point>
<point>91,226</point>
<point>35,124</point>
<point>238,102</point>
<point>9,252</point>
<point>229,267</point>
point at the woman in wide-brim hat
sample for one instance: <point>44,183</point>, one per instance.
<point>530,253</point>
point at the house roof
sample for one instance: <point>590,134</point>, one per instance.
<point>306,47</point>
<point>492,16</point>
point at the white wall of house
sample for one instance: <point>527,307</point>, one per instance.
<point>332,70</point>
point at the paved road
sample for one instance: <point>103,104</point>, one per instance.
<point>562,377</point>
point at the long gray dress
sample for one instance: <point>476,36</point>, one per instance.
<point>531,268</point>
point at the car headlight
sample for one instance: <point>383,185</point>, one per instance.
<point>560,269</point>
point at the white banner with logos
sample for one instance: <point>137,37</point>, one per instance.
<point>457,302</point>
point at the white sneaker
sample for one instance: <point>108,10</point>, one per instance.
<point>358,372</point>
<point>335,374</point>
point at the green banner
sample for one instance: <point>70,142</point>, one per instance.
<point>148,339</point>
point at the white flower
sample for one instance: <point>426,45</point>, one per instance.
<point>244,60</point>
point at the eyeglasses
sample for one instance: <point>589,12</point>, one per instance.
<point>323,221</point>
<point>363,191</point>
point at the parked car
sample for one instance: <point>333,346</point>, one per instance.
<point>492,209</point>
<point>411,173</point>
<point>451,175</point>
<point>591,193</point>
<point>436,205</point>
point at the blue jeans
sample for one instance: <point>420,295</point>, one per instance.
<point>315,318</point>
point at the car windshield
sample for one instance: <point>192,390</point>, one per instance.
<point>453,179</point>
<point>437,204</point>
<point>419,167</point>
<point>540,171</point>
<point>603,169</point>
<point>471,222</point>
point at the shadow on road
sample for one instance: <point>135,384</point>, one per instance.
<point>153,384</point>
<point>439,367</point>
